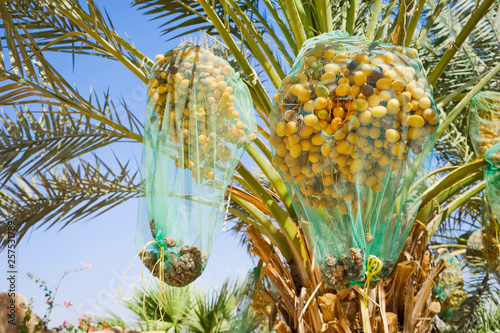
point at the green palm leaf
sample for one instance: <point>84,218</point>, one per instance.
<point>65,26</point>
<point>213,314</point>
<point>64,195</point>
<point>181,18</point>
<point>29,144</point>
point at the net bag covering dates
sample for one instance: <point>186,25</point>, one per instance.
<point>351,127</point>
<point>449,285</point>
<point>492,197</point>
<point>199,121</point>
<point>483,244</point>
<point>484,121</point>
<point>484,133</point>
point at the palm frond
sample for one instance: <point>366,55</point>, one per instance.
<point>479,310</point>
<point>239,228</point>
<point>466,217</point>
<point>31,79</point>
<point>112,319</point>
<point>29,144</point>
<point>477,55</point>
<point>64,195</point>
<point>51,32</point>
<point>181,18</point>
<point>165,309</point>
<point>488,317</point>
<point>213,312</point>
<point>453,147</point>
<point>63,96</point>
<point>65,26</point>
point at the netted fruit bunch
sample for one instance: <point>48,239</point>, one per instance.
<point>180,269</point>
<point>492,178</point>
<point>449,285</point>
<point>347,115</point>
<point>192,87</point>
<point>351,124</point>
<point>199,121</point>
<point>484,133</point>
<point>484,121</point>
<point>350,265</point>
<point>483,244</point>
<point>475,244</point>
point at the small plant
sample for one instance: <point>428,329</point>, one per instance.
<point>85,323</point>
<point>24,327</point>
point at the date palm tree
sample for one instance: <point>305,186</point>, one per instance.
<point>190,309</point>
<point>45,182</point>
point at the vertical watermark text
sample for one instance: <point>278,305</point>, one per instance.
<point>11,272</point>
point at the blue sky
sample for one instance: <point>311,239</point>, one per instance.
<point>107,242</point>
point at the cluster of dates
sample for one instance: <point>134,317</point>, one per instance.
<point>199,123</point>
<point>192,91</point>
<point>348,117</point>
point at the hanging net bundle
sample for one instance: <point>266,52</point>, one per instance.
<point>199,121</point>
<point>351,127</point>
<point>475,244</point>
<point>484,121</point>
<point>484,133</point>
<point>449,285</point>
<point>492,197</point>
<point>483,245</point>
<point>492,179</point>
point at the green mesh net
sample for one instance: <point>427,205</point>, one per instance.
<point>484,121</point>
<point>199,121</point>
<point>475,244</point>
<point>492,197</point>
<point>449,285</point>
<point>483,245</point>
<point>351,127</point>
<point>484,133</point>
<point>492,178</point>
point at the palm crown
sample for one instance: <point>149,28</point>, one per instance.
<point>46,184</point>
